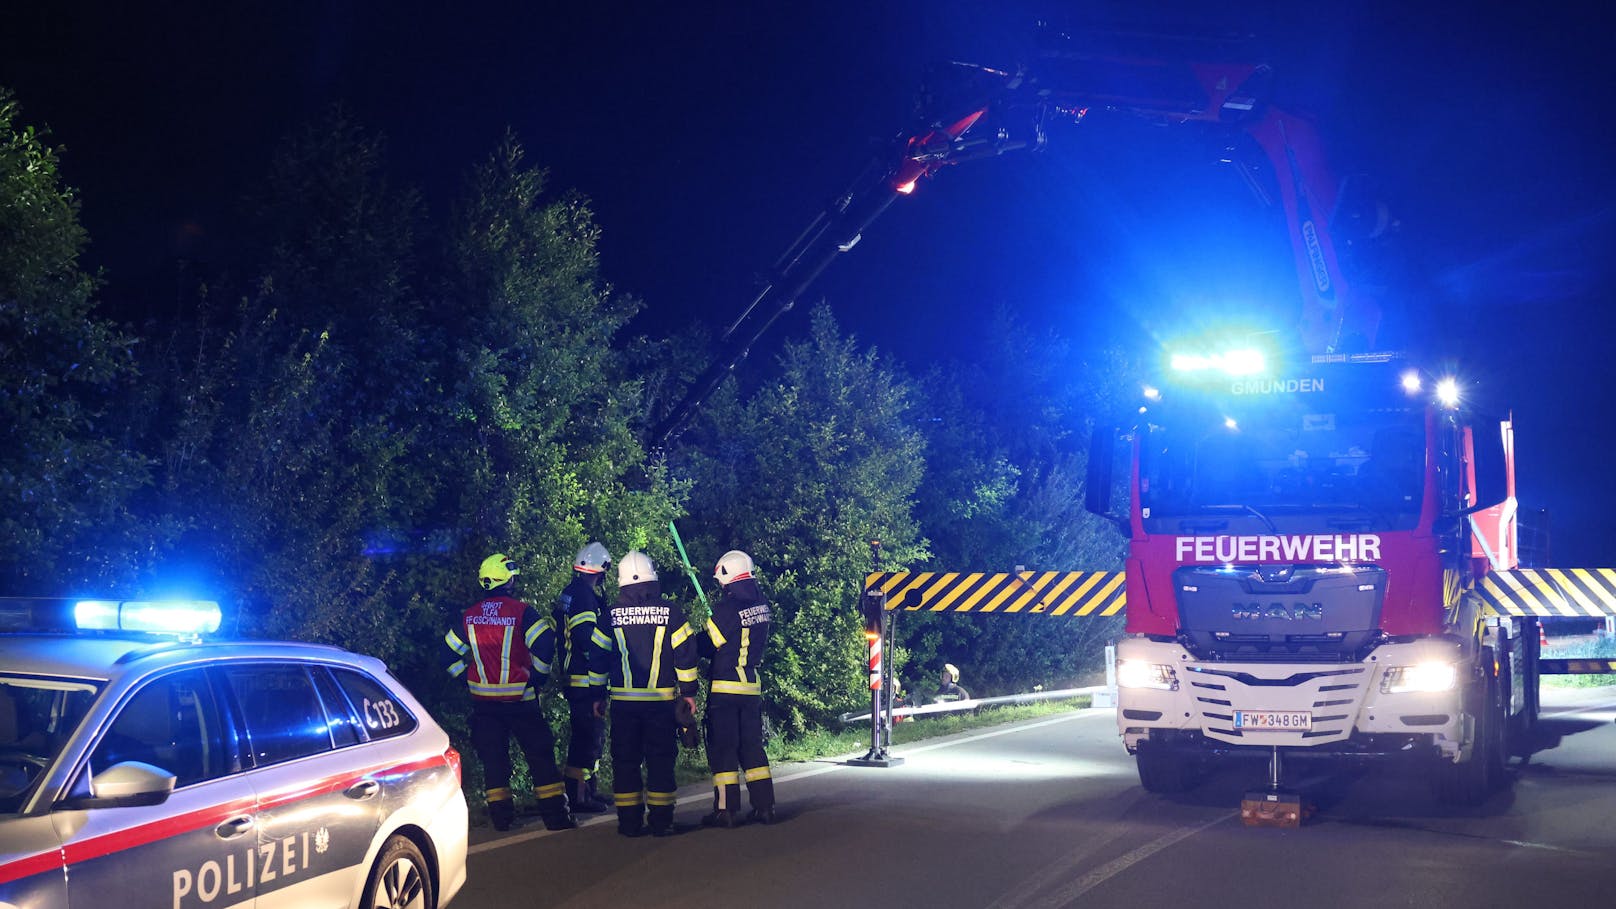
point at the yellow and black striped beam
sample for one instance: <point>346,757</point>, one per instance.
<point>1548,592</point>
<point>1088,593</point>
<point>1576,667</point>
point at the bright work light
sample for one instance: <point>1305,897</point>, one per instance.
<point>1411,382</point>
<point>1447,392</point>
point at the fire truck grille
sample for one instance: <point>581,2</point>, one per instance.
<point>1279,613</point>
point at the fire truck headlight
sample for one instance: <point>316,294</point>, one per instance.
<point>1139,674</point>
<point>1424,678</point>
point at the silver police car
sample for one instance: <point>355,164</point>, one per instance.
<point>140,771</point>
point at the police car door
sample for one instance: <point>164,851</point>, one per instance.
<point>319,799</point>
<point>197,848</point>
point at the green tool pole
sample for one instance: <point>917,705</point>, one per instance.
<point>690,570</point>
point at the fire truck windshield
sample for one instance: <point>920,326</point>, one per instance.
<point>1289,465</point>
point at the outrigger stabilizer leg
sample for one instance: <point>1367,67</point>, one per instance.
<point>1274,806</point>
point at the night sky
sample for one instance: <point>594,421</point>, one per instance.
<point>707,135</point>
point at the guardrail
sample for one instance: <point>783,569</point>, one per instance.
<point>973,703</point>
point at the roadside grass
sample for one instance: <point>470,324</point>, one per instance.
<point>1600,648</point>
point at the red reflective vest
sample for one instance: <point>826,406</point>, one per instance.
<point>503,647</point>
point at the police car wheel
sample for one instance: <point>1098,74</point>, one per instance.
<point>400,878</point>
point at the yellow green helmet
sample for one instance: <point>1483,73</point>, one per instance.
<point>497,569</point>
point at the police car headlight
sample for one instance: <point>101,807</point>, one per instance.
<point>1140,674</point>
<point>1423,678</point>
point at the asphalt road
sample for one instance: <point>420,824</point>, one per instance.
<point>1050,813</point>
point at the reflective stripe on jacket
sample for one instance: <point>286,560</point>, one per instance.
<point>644,650</point>
<point>737,637</point>
<point>578,611</point>
<point>503,647</point>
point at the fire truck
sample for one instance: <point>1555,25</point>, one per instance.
<point>1307,537</point>
<point>1311,520</point>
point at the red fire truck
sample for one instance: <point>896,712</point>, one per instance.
<point>1308,529</point>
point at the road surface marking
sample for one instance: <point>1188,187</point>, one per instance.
<point>1068,894</point>
<point>529,836</point>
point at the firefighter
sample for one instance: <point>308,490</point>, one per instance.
<point>577,611</point>
<point>950,688</point>
<point>503,647</point>
<point>645,660</point>
<point>737,637</point>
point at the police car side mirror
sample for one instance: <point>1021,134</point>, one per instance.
<point>130,784</point>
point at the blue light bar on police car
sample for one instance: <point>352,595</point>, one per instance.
<point>150,616</point>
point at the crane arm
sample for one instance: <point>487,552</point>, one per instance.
<point>1072,82</point>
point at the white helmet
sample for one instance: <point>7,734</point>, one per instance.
<point>732,566</point>
<point>592,559</point>
<point>951,672</point>
<point>636,568</point>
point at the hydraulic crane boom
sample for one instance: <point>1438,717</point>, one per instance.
<point>1006,110</point>
<point>832,232</point>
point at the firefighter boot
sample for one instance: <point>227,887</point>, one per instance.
<point>502,813</point>
<point>581,796</point>
<point>721,817</point>
<point>554,812</point>
<point>760,792</point>
<point>662,821</point>
<point>631,821</point>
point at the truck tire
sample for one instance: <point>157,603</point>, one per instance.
<point>1164,771</point>
<point>1471,782</point>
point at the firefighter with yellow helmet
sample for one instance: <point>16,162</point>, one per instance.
<point>949,688</point>
<point>503,648</point>
<point>645,660</point>
<point>577,612</point>
<point>736,639</point>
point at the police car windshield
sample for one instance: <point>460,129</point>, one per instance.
<point>37,716</point>
<point>1297,468</point>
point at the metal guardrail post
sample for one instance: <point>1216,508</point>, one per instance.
<point>1108,697</point>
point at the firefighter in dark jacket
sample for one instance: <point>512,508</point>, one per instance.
<point>503,648</point>
<point>736,639</point>
<point>646,661</point>
<point>577,611</point>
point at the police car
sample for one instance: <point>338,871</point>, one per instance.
<point>138,770</point>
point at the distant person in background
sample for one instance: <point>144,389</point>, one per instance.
<point>951,689</point>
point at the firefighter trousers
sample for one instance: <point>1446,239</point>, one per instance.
<point>493,725</point>
<point>644,733</point>
<point>735,752</point>
<point>588,738</point>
